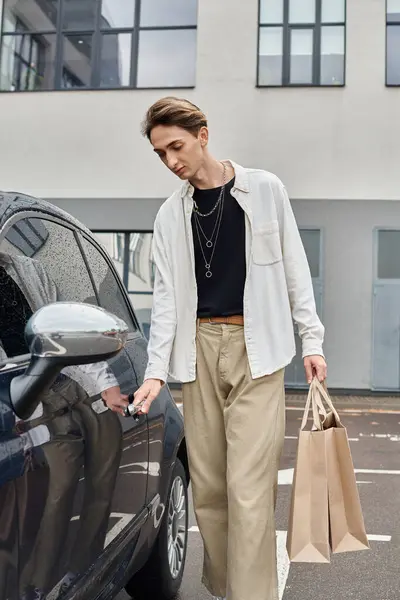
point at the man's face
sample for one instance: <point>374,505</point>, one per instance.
<point>179,150</point>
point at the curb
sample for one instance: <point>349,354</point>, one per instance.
<point>371,402</point>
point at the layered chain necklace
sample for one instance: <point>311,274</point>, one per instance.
<point>210,241</point>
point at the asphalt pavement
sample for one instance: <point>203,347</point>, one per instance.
<point>374,431</point>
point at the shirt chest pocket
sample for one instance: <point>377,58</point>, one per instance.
<point>267,244</point>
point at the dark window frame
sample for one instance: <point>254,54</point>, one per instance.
<point>34,41</point>
<point>287,27</point>
<point>98,32</point>
<point>389,24</point>
<point>377,247</point>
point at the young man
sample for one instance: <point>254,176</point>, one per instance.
<point>231,272</point>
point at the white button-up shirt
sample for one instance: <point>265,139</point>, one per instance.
<point>278,287</point>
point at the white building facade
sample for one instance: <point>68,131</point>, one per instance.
<point>307,89</point>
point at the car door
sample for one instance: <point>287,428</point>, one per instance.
<point>160,451</point>
<point>69,501</point>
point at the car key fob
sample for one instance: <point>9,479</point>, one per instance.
<point>131,410</point>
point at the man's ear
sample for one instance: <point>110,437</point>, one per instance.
<point>203,136</point>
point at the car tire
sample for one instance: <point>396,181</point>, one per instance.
<point>161,577</point>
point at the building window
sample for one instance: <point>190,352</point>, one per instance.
<point>98,44</point>
<point>118,246</point>
<point>69,80</point>
<point>132,257</point>
<point>388,264</point>
<point>301,43</point>
<point>393,42</point>
<point>136,256</point>
<point>152,271</point>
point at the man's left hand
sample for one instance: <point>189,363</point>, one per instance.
<point>115,401</point>
<point>315,366</point>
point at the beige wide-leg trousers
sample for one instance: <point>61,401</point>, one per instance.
<point>234,432</point>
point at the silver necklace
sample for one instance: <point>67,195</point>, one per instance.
<point>210,242</point>
<point>218,202</point>
<point>207,263</point>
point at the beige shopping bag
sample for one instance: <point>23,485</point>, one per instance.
<point>347,529</point>
<point>308,532</point>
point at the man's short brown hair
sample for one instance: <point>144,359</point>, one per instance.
<point>174,111</point>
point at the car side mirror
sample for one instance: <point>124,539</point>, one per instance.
<point>61,335</point>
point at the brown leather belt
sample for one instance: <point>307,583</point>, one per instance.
<point>233,320</point>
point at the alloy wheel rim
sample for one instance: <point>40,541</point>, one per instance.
<point>177,534</point>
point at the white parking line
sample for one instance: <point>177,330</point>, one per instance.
<point>283,561</point>
<point>390,436</point>
<point>295,437</point>
<point>376,472</point>
<point>360,482</point>
<point>285,476</point>
<point>354,411</point>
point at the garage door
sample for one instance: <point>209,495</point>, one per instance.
<point>386,312</point>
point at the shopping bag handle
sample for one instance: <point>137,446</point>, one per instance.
<point>317,408</point>
<point>316,393</point>
<point>323,392</point>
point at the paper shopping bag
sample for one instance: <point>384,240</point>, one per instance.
<point>347,529</point>
<point>308,532</point>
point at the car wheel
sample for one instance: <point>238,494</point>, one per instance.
<point>161,577</point>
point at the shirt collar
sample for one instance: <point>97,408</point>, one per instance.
<point>241,181</point>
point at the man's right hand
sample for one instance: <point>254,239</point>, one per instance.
<point>147,392</point>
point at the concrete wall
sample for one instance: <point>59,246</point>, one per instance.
<point>112,214</point>
<point>324,143</point>
<point>348,267</point>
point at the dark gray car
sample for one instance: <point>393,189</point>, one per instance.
<point>90,501</point>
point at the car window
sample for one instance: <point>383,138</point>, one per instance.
<point>108,288</point>
<point>40,262</point>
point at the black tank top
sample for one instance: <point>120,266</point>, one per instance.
<point>222,294</point>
